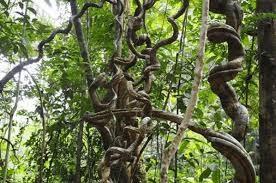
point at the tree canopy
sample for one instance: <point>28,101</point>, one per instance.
<point>102,96</point>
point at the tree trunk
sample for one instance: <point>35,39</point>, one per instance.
<point>267,116</point>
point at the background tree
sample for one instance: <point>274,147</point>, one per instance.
<point>267,58</point>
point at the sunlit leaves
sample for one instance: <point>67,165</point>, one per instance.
<point>65,98</point>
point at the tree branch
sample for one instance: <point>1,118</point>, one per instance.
<point>41,45</point>
<point>170,151</point>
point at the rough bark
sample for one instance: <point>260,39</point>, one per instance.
<point>221,75</point>
<point>267,87</point>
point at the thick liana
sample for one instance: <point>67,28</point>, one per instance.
<point>220,75</point>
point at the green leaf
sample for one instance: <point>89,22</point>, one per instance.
<point>32,10</point>
<point>183,145</point>
<point>205,174</point>
<point>151,180</point>
<point>216,176</point>
<point>23,49</point>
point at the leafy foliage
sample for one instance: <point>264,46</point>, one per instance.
<point>62,86</point>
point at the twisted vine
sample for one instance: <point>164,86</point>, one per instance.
<point>233,151</point>
<point>220,75</point>
<point>126,101</point>
<point>125,95</point>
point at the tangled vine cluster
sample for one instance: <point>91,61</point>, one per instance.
<point>117,115</point>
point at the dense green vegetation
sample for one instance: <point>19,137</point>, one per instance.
<point>52,94</point>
